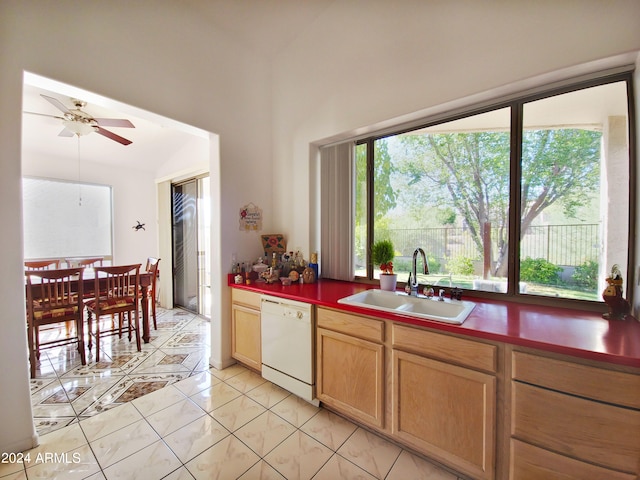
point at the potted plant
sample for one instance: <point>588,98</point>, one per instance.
<point>382,253</point>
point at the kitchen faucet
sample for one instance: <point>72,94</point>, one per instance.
<point>413,281</point>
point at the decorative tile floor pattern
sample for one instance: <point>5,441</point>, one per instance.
<point>192,422</point>
<point>64,391</point>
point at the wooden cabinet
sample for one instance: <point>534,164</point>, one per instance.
<point>577,420</point>
<point>350,365</point>
<point>245,328</point>
<point>534,463</point>
<point>486,409</point>
<point>444,410</point>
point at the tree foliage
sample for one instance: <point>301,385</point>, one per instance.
<point>384,196</point>
<point>470,173</point>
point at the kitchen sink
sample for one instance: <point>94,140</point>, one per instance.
<point>449,311</point>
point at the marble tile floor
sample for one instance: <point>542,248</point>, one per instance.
<point>64,391</point>
<point>192,421</point>
<point>218,424</point>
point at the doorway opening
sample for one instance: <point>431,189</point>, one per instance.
<point>191,239</point>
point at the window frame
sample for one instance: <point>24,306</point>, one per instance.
<point>516,104</point>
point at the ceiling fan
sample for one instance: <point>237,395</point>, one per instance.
<point>78,122</point>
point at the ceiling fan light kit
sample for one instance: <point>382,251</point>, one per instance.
<point>77,128</point>
<point>77,122</point>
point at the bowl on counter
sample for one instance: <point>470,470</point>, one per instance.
<point>260,267</point>
<point>285,281</point>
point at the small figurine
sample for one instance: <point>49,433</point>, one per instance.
<point>618,306</point>
<point>308,275</point>
<point>271,275</point>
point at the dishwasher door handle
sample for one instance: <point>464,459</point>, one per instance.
<point>266,300</point>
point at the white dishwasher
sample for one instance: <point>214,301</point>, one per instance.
<point>287,346</point>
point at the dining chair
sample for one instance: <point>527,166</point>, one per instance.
<point>90,262</point>
<point>53,296</point>
<point>42,264</point>
<point>152,268</point>
<point>117,292</point>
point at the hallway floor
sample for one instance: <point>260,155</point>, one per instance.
<point>164,413</point>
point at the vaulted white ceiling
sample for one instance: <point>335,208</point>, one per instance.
<point>154,139</point>
<point>265,27</point>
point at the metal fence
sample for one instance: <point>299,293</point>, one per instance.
<point>566,245</point>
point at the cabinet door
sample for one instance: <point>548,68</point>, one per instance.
<point>351,375</point>
<point>245,336</point>
<point>446,411</point>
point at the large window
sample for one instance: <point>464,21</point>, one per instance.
<point>528,198</point>
<point>66,219</point>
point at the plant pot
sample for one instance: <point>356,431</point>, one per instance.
<point>388,281</point>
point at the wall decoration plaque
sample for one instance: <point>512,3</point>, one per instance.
<point>250,218</point>
<point>273,243</point>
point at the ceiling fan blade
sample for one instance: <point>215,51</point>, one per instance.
<point>44,115</point>
<point>56,103</point>
<point>114,122</point>
<point>112,136</point>
<point>66,133</point>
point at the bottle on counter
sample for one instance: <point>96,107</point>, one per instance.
<point>313,263</point>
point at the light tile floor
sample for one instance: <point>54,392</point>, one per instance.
<point>196,422</point>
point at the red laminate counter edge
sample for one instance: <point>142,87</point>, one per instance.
<point>565,331</point>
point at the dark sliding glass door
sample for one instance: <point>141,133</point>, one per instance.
<point>190,202</point>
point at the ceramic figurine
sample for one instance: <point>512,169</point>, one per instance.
<point>309,275</point>
<point>618,306</point>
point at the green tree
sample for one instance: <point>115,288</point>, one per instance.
<point>470,172</point>
<point>384,195</point>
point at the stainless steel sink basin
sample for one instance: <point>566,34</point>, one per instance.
<point>449,311</point>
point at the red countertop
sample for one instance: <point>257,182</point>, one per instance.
<point>572,332</point>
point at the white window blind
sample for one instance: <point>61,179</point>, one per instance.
<point>337,211</point>
<point>66,219</point>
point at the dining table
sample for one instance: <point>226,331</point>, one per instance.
<point>88,287</point>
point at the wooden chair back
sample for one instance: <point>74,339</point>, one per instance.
<point>152,268</point>
<point>90,262</point>
<point>54,296</point>
<point>122,285</point>
<point>152,264</point>
<point>42,264</point>
<point>117,291</point>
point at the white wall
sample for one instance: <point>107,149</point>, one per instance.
<point>134,198</point>
<point>372,63</point>
<point>157,56</point>
<point>191,159</point>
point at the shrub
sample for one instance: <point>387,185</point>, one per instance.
<point>460,265</point>
<point>586,275</point>
<point>434,265</point>
<point>539,271</point>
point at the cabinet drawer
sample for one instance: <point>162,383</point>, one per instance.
<point>587,430</point>
<point>250,299</point>
<point>473,354</point>
<point>532,463</point>
<point>605,385</point>
<point>354,325</point>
